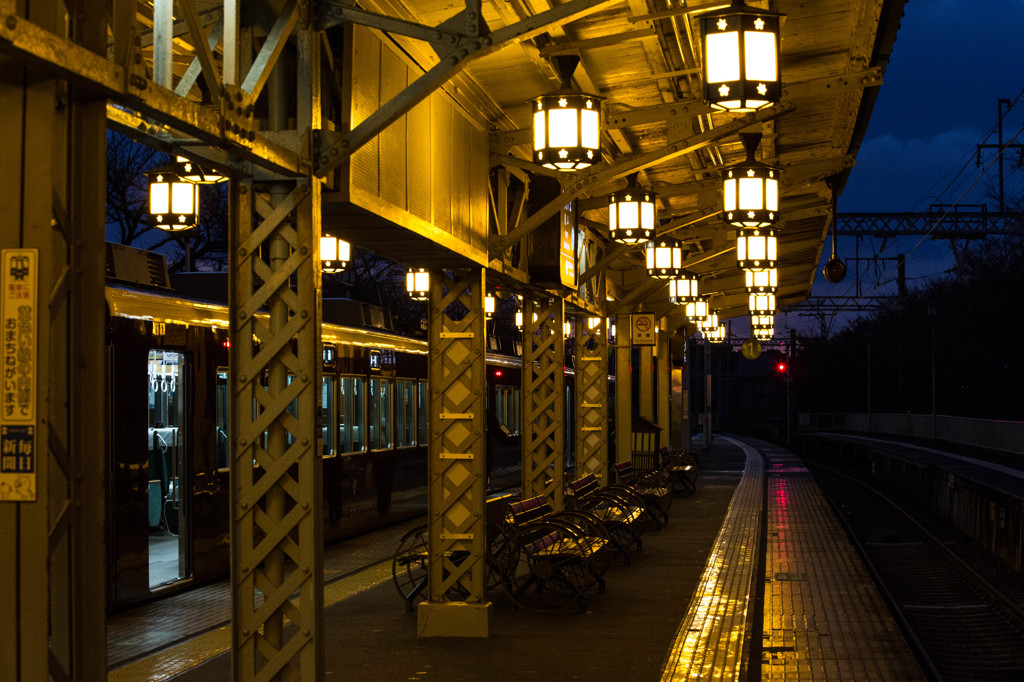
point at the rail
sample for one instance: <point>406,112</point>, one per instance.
<point>1007,436</point>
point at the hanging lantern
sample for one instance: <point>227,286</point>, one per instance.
<point>664,258</point>
<point>760,321</point>
<point>762,281</point>
<point>750,189</point>
<point>631,214</point>
<point>192,172</point>
<point>567,329</point>
<point>762,304</point>
<point>764,333</point>
<point>709,322</point>
<point>756,249</point>
<point>684,288</point>
<point>173,202</point>
<point>716,335</point>
<point>697,311</point>
<point>567,123</point>
<point>334,254</point>
<point>417,283</point>
<point>741,58</point>
<point>519,319</point>
<point>488,306</point>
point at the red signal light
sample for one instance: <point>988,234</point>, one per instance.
<point>497,372</point>
<point>781,367</point>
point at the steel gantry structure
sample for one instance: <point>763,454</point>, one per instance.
<point>401,127</point>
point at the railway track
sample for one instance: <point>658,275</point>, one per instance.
<point>961,609</point>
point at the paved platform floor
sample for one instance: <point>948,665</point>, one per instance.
<point>681,610</point>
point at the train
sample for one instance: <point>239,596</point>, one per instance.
<point>168,462</point>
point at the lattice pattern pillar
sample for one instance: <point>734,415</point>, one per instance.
<point>591,428</point>
<point>457,541</point>
<point>543,406</point>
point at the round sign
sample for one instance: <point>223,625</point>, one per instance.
<point>643,323</point>
<point>751,349</point>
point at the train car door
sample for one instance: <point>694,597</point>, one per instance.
<point>168,469</point>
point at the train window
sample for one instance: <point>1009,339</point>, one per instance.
<point>351,414</point>
<point>327,413</point>
<point>506,406</point>
<point>380,407</point>
<point>421,412</point>
<point>223,401</point>
<point>405,414</point>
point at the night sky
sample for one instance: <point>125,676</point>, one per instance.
<point>952,61</point>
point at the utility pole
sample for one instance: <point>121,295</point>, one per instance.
<point>1000,148</point>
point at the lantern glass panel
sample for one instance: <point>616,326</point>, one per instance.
<point>722,53</point>
<point>771,194</point>
<point>159,198</point>
<point>757,248</point>
<point>591,133</point>
<point>729,194</point>
<point>628,214</point>
<point>563,131</point>
<point>751,194</point>
<point>760,56</point>
<point>647,214</point>
<point>183,196</point>
<point>539,134</point>
<point>328,248</point>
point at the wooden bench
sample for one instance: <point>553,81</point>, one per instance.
<point>619,508</point>
<point>554,558</point>
<point>409,564</point>
<point>681,471</point>
<point>652,486</point>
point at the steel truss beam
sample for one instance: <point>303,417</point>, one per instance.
<point>456,523</point>
<point>936,224</point>
<point>838,304</point>
<point>601,174</point>
<point>474,42</point>
<point>591,396</point>
<point>543,402</point>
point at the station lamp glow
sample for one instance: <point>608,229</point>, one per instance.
<point>762,304</point>
<point>697,311</point>
<point>716,335</point>
<point>684,288</point>
<point>710,322</point>
<point>417,283</point>
<point>762,281</point>
<point>488,306</point>
<point>173,201</point>
<point>664,258</point>
<point>631,213</point>
<point>764,333</point>
<point>757,321</point>
<point>741,58</point>
<point>335,254</point>
<point>750,189</point>
<point>567,123</point>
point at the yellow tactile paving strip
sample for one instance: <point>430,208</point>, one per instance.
<point>823,616</point>
<point>175,660</point>
<point>709,642</point>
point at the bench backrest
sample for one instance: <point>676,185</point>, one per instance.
<point>582,487</point>
<point>623,471</point>
<point>529,511</point>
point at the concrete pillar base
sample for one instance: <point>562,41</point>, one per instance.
<point>452,619</point>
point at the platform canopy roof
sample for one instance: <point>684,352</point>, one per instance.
<point>644,57</point>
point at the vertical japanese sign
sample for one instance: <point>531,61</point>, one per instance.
<point>567,246</point>
<point>19,325</point>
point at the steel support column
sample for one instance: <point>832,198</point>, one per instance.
<point>52,577</point>
<point>663,385</point>
<point>456,603</point>
<point>645,373</point>
<point>623,393</point>
<point>591,428</point>
<point>543,402</point>
<point>275,364</point>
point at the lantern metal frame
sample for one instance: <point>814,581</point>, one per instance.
<point>177,190</point>
<point>757,248</point>
<point>632,214</point>
<point>664,258</point>
<point>581,114</point>
<point>715,335</point>
<point>762,281</point>
<point>741,70</point>
<point>335,254</point>
<point>750,189</point>
<point>684,288</point>
<point>760,321</point>
<point>697,311</point>
<point>189,170</point>
<point>417,284</point>
<point>762,304</point>
<point>764,333</point>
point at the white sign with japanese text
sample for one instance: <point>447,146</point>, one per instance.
<point>19,326</point>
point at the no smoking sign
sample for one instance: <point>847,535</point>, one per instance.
<point>643,326</point>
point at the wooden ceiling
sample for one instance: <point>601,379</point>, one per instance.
<point>643,56</point>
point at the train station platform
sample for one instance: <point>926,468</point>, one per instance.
<point>687,607</point>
